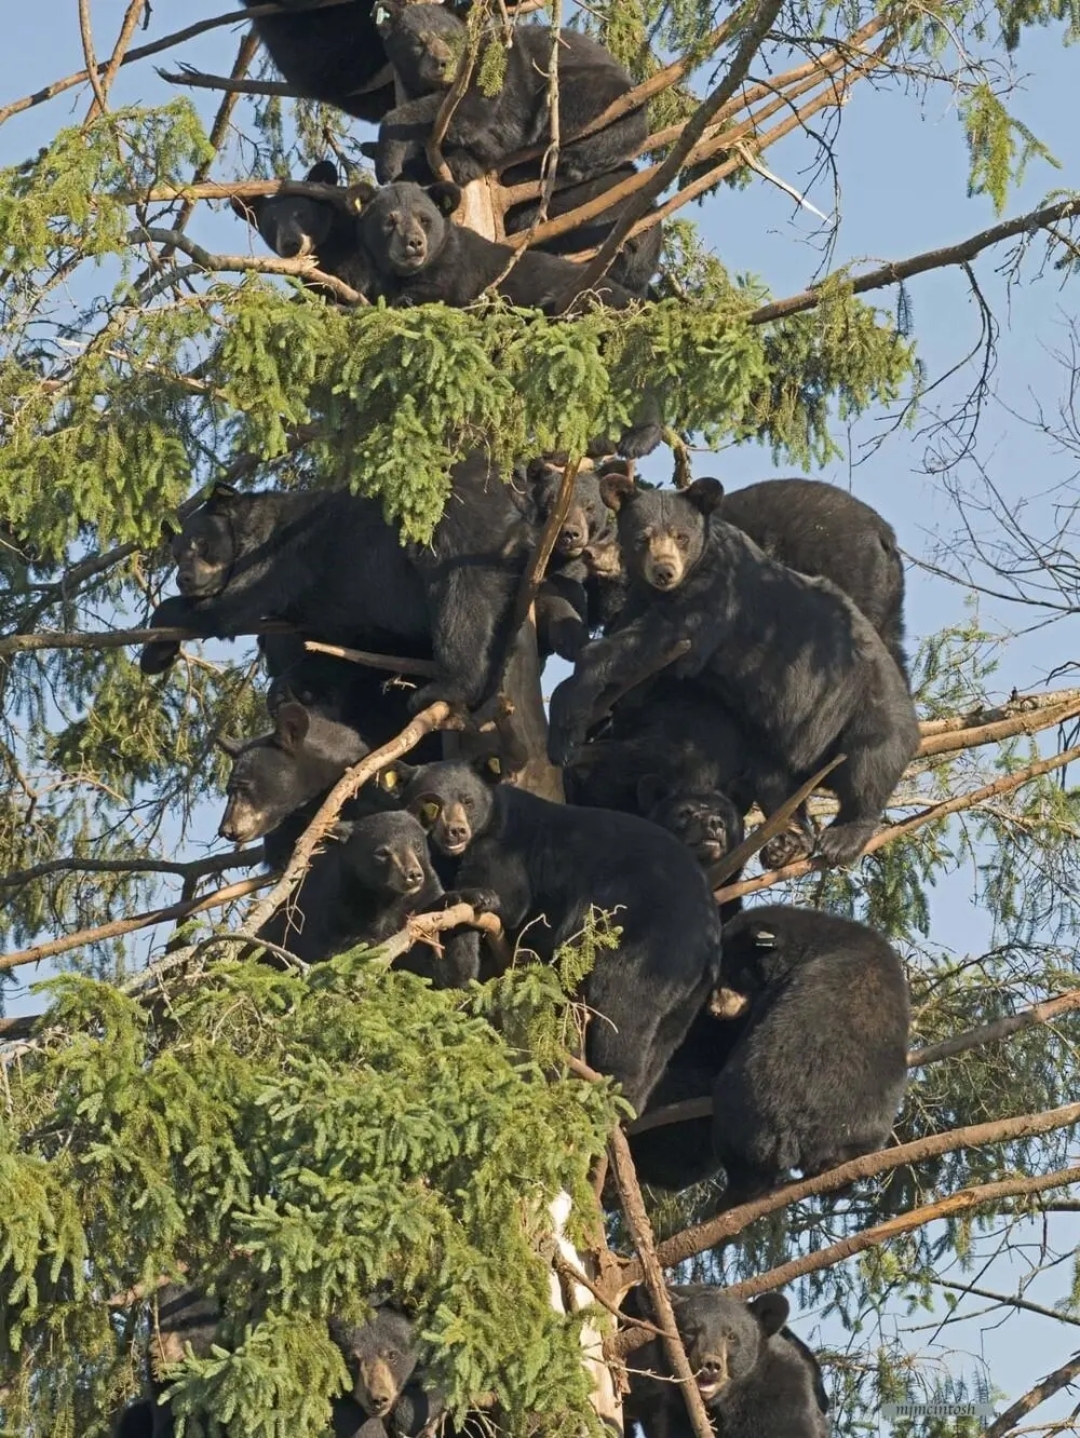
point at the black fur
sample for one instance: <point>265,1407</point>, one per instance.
<point>791,658</point>
<point>243,558</point>
<point>330,55</point>
<point>425,44</point>
<point>184,1316</point>
<point>820,1070</point>
<point>756,1378</point>
<point>540,866</point>
<point>677,1155</point>
<point>326,229</point>
<point>362,890</point>
<point>822,530</point>
<point>639,258</point>
<point>420,257</point>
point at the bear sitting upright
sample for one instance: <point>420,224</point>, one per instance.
<point>792,658</point>
<point>426,44</point>
<point>541,867</point>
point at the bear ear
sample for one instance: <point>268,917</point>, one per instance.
<point>615,489</point>
<point>704,494</point>
<point>445,196</point>
<point>396,777</point>
<point>291,724</point>
<point>360,195</point>
<point>341,831</point>
<point>233,747</point>
<point>248,209</point>
<point>324,172</point>
<point>489,767</point>
<point>771,1311</point>
<point>222,496</point>
<point>651,789</point>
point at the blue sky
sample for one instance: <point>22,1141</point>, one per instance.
<point>902,166</point>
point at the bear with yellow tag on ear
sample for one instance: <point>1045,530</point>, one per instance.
<point>542,867</point>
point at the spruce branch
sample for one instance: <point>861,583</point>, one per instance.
<point>303,267</point>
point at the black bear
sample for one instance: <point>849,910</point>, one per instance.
<point>639,258</point>
<point>791,657</point>
<point>381,1356</point>
<point>245,558</point>
<point>362,890</point>
<point>419,257</point>
<point>425,44</point>
<point>587,544</point>
<point>326,229</point>
<point>676,1155</point>
<point>756,1379</point>
<point>370,701</point>
<point>541,867</point>
<point>819,1073</point>
<point>184,1316</point>
<point>332,53</point>
<point>822,530</point>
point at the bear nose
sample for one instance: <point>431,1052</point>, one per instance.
<point>228,830</point>
<point>712,1366</point>
<point>714,826</point>
<point>414,876</point>
<point>457,833</point>
<point>664,574</point>
<point>573,533</point>
<point>414,244</point>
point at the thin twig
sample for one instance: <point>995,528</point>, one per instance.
<point>426,667</point>
<point>101,89</point>
<point>304,266</point>
<point>214,864</point>
<point>87,35</point>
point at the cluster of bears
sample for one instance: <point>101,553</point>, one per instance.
<point>756,1378</point>
<point>725,648</point>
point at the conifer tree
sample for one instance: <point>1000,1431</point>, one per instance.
<point>302,1141</point>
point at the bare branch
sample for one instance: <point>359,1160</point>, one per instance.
<point>1044,1389</point>
<point>119,927</point>
<point>994,1032</point>
<point>704,1236</point>
<point>101,88</point>
<point>930,815</point>
<point>637,1219</point>
<point>304,266</point>
<point>426,667</point>
<point>87,35</point>
<point>897,270</point>
<point>695,127</point>
<point>214,864</point>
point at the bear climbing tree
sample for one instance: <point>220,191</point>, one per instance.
<point>316,1125</point>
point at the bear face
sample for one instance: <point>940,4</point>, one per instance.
<point>452,801</point>
<point>661,534</point>
<point>588,523</point>
<point>295,225</point>
<point>276,774</point>
<point>404,226</point>
<point>724,1337</point>
<point>205,548</point>
<point>708,823</point>
<point>425,44</point>
<point>385,854</point>
<point>380,1356</point>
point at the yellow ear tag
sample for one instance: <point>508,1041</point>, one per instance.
<point>494,765</point>
<point>389,779</point>
<point>430,810</point>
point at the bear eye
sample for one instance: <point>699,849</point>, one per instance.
<point>683,541</point>
<point>382,854</point>
<point>391,1355</point>
<point>467,803</point>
